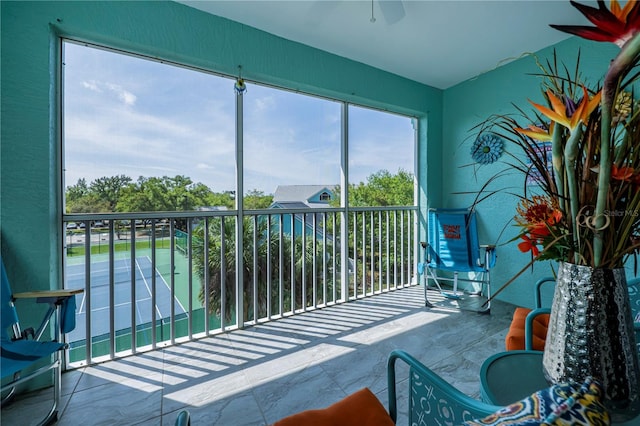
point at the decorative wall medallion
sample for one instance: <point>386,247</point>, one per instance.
<point>487,149</point>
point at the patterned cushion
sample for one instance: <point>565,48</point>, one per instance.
<point>566,404</point>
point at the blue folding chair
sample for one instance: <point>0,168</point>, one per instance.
<point>452,248</point>
<point>24,355</point>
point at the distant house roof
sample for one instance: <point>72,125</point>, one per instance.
<point>299,192</point>
<point>302,195</point>
<point>290,205</point>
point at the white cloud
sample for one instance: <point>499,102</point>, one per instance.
<point>124,95</point>
<point>91,85</point>
<point>264,103</point>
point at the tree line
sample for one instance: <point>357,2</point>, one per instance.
<point>148,194</point>
<point>121,193</point>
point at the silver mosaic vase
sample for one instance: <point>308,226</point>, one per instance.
<point>591,334</point>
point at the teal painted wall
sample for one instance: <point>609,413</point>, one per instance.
<point>467,105</point>
<point>30,210</point>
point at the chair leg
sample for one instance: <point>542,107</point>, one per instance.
<point>52,416</point>
<point>426,298</point>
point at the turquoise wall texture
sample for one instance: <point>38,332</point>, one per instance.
<point>30,151</point>
<point>468,104</point>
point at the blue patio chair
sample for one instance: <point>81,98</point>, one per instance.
<point>25,354</point>
<point>453,248</point>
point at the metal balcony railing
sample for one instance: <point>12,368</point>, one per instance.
<point>155,279</point>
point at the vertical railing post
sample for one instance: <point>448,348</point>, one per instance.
<point>87,293</point>
<point>255,270</point>
<point>189,277</point>
<point>172,280</point>
<point>205,284</point>
<point>380,250</point>
<point>112,295</point>
<point>239,210</point>
<point>313,260</point>
<point>303,260</point>
<point>388,242</point>
<point>364,253</point>
<point>324,258</point>
<point>281,265</point>
<point>223,275</point>
<point>344,202</point>
<point>132,263</point>
<point>354,228</point>
<point>293,263</point>
<point>268,266</point>
<point>154,299</point>
<point>402,263</point>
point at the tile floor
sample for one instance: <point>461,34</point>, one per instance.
<point>260,374</point>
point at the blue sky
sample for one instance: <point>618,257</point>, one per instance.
<point>131,116</point>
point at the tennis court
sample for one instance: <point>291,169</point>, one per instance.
<point>122,282</point>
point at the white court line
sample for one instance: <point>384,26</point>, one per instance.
<point>146,284</point>
<point>82,274</point>
<point>126,267</point>
<point>155,272</point>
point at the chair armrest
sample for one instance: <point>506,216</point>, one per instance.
<point>528,326</point>
<point>61,301</point>
<point>538,286</point>
<point>47,295</point>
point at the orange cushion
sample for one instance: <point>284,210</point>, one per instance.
<point>515,336</point>
<point>358,409</point>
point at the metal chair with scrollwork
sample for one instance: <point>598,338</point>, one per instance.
<point>432,401</point>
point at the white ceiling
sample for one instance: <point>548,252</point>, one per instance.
<point>439,43</point>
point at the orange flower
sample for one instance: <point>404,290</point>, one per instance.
<point>621,173</point>
<point>535,132</point>
<point>539,209</point>
<point>539,230</point>
<point>555,217</point>
<point>528,245</point>
<point>558,111</point>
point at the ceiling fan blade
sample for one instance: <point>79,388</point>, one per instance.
<point>392,10</point>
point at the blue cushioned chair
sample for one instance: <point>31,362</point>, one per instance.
<point>453,247</point>
<point>25,354</point>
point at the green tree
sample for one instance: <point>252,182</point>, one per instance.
<point>255,200</point>
<point>381,189</point>
<point>177,193</point>
<point>89,203</point>
<point>225,199</point>
<point>77,191</point>
<point>108,189</point>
